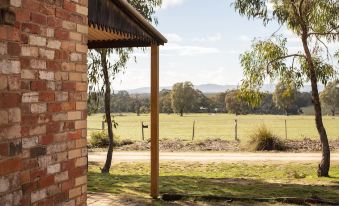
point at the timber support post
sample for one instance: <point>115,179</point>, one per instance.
<point>236,130</point>
<point>193,130</point>
<point>285,128</point>
<point>154,121</point>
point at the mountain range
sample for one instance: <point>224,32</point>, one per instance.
<point>216,88</point>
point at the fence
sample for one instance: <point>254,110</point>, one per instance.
<point>196,127</point>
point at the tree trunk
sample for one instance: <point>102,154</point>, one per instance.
<point>324,165</point>
<point>108,162</point>
<point>181,112</point>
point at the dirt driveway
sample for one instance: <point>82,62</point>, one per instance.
<point>211,157</point>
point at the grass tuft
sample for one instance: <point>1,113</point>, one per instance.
<point>264,140</point>
<point>99,139</point>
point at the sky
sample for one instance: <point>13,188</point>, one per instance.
<point>205,40</point>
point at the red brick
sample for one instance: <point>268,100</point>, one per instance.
<point>68,165</point>
<point>47,139</point>
<point>39,18</point>
<point>22,15</point>
<point>24,38</point>
<point>78,19</point>
<point>54,107</point>
<point>61,34</point>
<point>53,65</point>
<point>68,86</point>
<point>47,9</point>
<point>28,164</point>
<point>75,135</point>
<point>9,100</point>
<point>54,22</point>
<point>29,120</point>
<point>69,125</point>
<point>53,127</point>
<point>38,85</point>
<point>26,200</point>
<point>30,28</point>
<point>61,13</point>
<point>68,185</point>
<point>37,173</point>
<point>3,149</point>
<point>10,165</point>
<point>24,131</point>
<point>67,106</point>
<point>25,177</point>
<point>32,5</point>
<point>14,49</point>
<point>60,197</point>
<point>61,55</point>
<point>46,96</point>
<point>29,187</point>
<point>77,172</point>
<point>46,181</point>
<point>25,63</point>
<point>69,6</point>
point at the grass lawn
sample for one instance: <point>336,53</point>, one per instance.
<point>218,126</point>
<point>224,179</point>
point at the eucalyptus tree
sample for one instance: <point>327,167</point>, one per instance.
<point>103,68</point>
<point>183,97</point>
<point>330,96</point>
<point>284,96</point>
<point>315,23</point>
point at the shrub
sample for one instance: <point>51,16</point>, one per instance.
<point>264,140</point>
<point>100,139</point>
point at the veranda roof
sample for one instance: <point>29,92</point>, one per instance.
<point>115,24</point>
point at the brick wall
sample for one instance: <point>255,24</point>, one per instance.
<point>43,84</point>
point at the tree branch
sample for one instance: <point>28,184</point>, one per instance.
<point>322,33</point>
<point>284,57</point>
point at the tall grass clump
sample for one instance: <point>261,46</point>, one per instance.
<point>99,139</point>
<point>263,139</point>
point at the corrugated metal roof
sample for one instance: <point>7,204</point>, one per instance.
<point>115,23</point>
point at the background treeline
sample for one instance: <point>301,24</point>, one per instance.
<point>183,98</point>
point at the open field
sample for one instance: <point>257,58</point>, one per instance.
<point>218,126</point>
<point>131,180</point>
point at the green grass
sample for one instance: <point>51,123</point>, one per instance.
<point>218,126</point>
<point>224,179</point>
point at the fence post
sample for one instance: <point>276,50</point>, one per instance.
<point>236,130</point>
<point>193,131</point>
<point>285,128</point>
<point>142,131</point>
<point>102,125</point>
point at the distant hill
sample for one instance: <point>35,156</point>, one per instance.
<point>215,88</point>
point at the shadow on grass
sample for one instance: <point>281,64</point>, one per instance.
<point>138,185</point>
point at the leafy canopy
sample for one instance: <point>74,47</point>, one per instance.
<point>314,20</point>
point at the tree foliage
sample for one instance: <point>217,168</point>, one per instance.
<point>182,97</point>
<point>284,96</point>
<point>315,22</point>
<point>330,96</point>
<point>234,103</point>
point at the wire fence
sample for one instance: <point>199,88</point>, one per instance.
<point>228,129</point>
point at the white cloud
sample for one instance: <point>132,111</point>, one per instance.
<point>170,3</point>
<point>244,38</point>
<point>172,37</point>
<point>212,38</point>
<point>187,50</point>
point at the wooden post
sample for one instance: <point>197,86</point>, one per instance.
<point>286,128</point>
<point>102,125</point>
<point>154,121</point>
<point>236,130</point>
<point>142,131</point>
<point>193,131</point>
